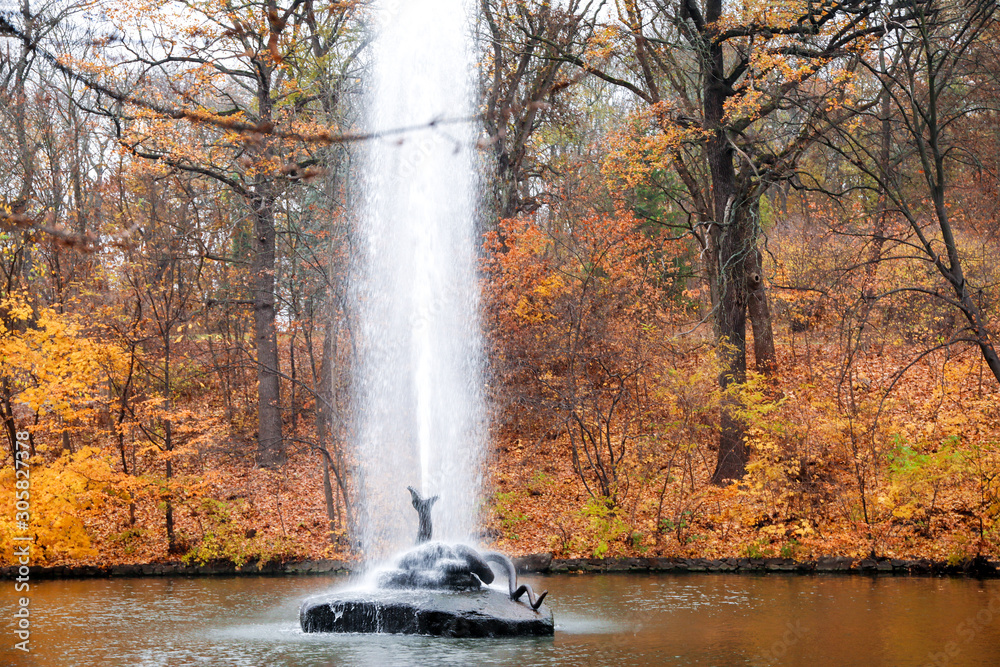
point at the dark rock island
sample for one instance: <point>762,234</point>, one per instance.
<point>434,589</point>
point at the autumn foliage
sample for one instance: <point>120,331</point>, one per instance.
<point>887,455</point>
<point>176,248</point>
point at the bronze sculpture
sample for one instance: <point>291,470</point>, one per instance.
<point>434,589</point>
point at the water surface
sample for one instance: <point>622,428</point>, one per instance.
<point>615,619</point>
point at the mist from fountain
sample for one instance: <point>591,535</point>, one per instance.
<point>418,389</point>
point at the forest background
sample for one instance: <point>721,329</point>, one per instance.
<point>738,265</point>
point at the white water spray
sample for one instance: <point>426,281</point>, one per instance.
<point>418,396</point>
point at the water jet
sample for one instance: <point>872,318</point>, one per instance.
<point>418,400</point>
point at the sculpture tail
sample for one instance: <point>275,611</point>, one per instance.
<point>515,591</point>
<point>534,602</point>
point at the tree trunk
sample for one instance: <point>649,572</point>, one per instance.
<point>729,243</point>
<point>262,198</point>
<point>270,445</point>
<point>8,416</point>
<point>171,537</point>
<point>882,207</point>
<point>26,148</point>
<point>955,274</point>
<point>765,358</point>
<point>323,422</point>
<point>293,400</point>
<point>168,445</point>
<point>986,347</point>
<point>731,318</point>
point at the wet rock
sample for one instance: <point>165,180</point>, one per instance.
<point>571,565</point>
<point>300,568</point>
<point>780,564</point>
<point>660,564</point>
<point>834,564</point>
<point>624,565</point>
<point>695,564</point>
<point>979,566</point>
<point>539,562</point>
<point>483,613</point>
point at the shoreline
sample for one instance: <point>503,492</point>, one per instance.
<point>544,563</point>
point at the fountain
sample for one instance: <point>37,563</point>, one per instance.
<point>434,589</point>
<point>418,403</point>
<point>418,391</point>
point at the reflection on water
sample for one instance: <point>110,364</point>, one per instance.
<point>616,620</point>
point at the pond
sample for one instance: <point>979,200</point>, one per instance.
<point>615,619</point>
